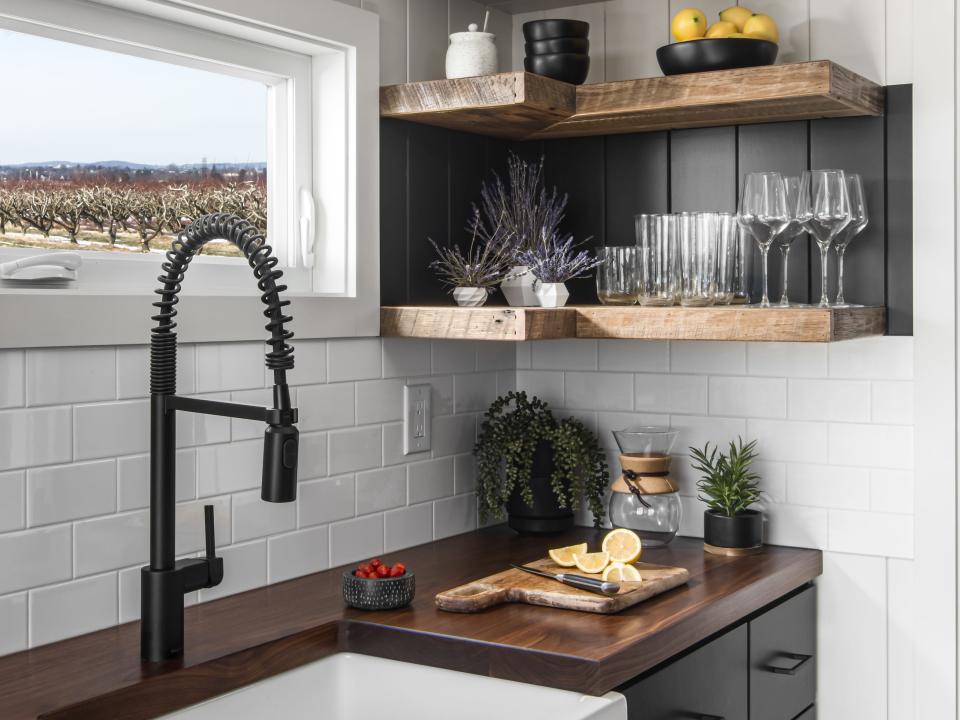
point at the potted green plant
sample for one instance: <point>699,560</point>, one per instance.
<point>535,467</point>
<point>729,487</point>
<point>473,276</point>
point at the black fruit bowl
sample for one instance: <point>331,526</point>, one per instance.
<point>580,46</point>
<point>715,54</point>
<point>567,67</point>
<point>380,594</point>
<point>549,29</point>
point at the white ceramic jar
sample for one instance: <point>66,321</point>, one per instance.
<point>471,53</point>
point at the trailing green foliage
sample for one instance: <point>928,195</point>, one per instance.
<point>511,429</point>
<point>727,485</point>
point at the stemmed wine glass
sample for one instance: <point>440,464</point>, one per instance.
<point>791,232</point>
<point>858,221</point>
<point>824,210</point>
<point>763,213</point>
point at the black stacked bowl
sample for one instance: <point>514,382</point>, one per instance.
<point>558,49</point>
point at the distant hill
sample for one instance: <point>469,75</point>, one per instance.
<point>124,164</point>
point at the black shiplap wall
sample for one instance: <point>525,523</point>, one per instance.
<point>430,176</point>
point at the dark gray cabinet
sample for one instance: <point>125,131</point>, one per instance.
<point>763,668</point>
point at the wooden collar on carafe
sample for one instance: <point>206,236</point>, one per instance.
<point>647,473</point>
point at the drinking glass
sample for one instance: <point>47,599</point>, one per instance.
<point>791,232</point>
<point>763,213</point>
<point>698,258</point>
<point>824,210</point>
<point>858,221</point>
<point>657,259</point>
<point>742,269</point>
<point>617,279</point>
<point>727,240</point>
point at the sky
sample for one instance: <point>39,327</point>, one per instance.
<point>63,101</point>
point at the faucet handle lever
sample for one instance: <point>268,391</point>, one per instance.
<point>208,532</point>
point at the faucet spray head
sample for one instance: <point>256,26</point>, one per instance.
<point>281,443</point>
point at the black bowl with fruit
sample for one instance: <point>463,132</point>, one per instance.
<point>375,585</point>
<point>715,54</point>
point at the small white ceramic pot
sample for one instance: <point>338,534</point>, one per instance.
<point>518,287</point>
<point>470,296</point>
<point>552,295</point>
<point>471,53</point>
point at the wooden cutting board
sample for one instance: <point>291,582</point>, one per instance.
<point>515,586</point>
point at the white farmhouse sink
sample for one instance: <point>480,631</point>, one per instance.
<point>346,686</point>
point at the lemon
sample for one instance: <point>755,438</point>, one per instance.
<point>622,545</point>
<point>591,562</point>
<point>620,572</point>
<point>721,29</point>
<point>762,27</point>
<point>564,557</point>
<point>688,24</point>
<point>736,15</point>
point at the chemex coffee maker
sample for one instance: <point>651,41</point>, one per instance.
<point>645,498</point>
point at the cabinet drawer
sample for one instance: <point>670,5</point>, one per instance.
<point>709,683</point>
<point>783,672</point>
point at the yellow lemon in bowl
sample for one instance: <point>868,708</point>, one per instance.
<point>688,24</point>
<point>622,545</point>
<point>564,557</point>
<point>762,27</point>
<point>737,15</point>
<point>721,29</point>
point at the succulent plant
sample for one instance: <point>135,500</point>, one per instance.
<point>557,260</point>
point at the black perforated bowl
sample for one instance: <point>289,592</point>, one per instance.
<point>715,54</point>
<point>379,594</point>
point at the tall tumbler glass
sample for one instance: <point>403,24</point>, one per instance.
<point>728,232</point>
<point>658,259</point>
<point>617,278</point>
<point>698,258</point>
<point>743,268</point>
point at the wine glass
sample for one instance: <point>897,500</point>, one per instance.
<point>858,221</point>
<point>763,213</point>
<point>824,210</point>
<point>791,232</point>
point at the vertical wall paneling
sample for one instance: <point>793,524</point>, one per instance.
<point>851,33</point>
<point>635,166</point>
<point>703,169</point>
<point>855,145</point>
<point>393,212</point>
<point>793,20</point>
<point>628,25</point>
<point>901,611</point>
<point>782,147</point>
<point>426,39</point>
<point>899,210</point>
<point>428,209</point>
<point>393,39</point>
<point>468,164</point>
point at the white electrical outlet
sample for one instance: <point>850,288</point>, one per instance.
<point>416,418</point>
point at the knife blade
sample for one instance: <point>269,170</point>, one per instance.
<point>601,587</point>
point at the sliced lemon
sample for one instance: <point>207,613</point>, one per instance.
<point>564,557</point>
<point>623,545</point>
<point>591,562</point>
<point>621,572</point>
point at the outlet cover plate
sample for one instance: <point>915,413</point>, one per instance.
<point>416,418</point>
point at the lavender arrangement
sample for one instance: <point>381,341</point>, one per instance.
<point>484,265</point>
<point>556,260</point>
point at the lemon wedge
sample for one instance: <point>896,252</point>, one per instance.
<point>622,545</point>
<point>620,572</point>
<point>591,562</point>
<point>564,557</point>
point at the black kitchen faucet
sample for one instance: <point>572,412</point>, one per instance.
<point>165,581</point>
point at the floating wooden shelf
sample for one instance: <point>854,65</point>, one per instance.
<point>733,322</point>
<point>522,106</point>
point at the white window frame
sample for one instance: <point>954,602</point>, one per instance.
<point>326,46</point>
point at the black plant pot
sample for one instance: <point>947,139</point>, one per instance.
<point>743,530</point>
<point>545,516</point>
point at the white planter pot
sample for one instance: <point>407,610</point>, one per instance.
<point>470,296</point>
<point>518,287</point>
<point>552,295</point>
<point>471,53</point>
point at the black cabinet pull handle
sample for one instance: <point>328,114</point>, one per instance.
<point>704,716</point>
<point>800,659</point>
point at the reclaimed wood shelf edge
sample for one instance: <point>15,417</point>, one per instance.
<point>736,323</point>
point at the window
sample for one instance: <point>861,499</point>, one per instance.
<point>160,112</point>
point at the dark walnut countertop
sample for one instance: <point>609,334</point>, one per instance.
<point>247,637</point>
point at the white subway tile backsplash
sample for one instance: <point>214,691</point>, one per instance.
<point>891,491</point>
<point>12,501</point>
<point>671,393</point>
<point>506,381</point>
<point>250,429</point>
<point>405,356</point>
<point>431,479</point>
<point>229,366</point>
<point>789,441</point>
<point>836,400</point>
<point>453,434</point>
<point>634,356</point>
<point>441,392</point>
<point>133,371</point>
<point>110,429</point>
<point>393,446</point>
<point>787,359</point>
<point>11,379</point>
<point>828,487</point>
<point>69,492</point>
<point>206,429</point>
<point>13,623</point>
<point>355,359</point>
<point>244,568</point>
<point>524,356</point>
<point>69,375</point>
<point>298,553</point>
<point>748,397</point>
<point>697,431</point>
<point>322,407</point>
<point>321,501</point>
<point>407,527</point>
<point>73,608</point>
<point>379,401</point>
<point>546,385</point>
<point>37,436</point>
<point>254,518</point>
<point>355,449</point>
<point>35,557</point>
<point>892,402</point>
<point>883,358</point>
<point>465,474</point>
<point>796,525</point>
<point>715,358</point>
<point>190,536</point>
<point>474,392</point>
<point>575,354</point>
<point>453,357</point>
<point>354,540</point>
<point>312,457</point>
<point>133,479</point>
<point>229,468</point>
<point>870,533</point>
<point>311,364</point>
<point>454,515</point>
<point>379,490</point>
<point>496,356</point>
<point>111,543</point>
<point>598,391</point>
<point>880,446</point>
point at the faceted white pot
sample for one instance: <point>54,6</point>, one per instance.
<point>518,287</point>
<point>470,296</point>
<point>552,294</point>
